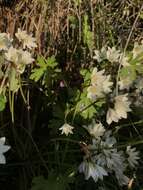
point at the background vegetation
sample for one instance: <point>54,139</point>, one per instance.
<point>67,32</point>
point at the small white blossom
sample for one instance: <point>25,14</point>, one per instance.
<point>19,57</point>
<point>100,55</point>
<point>125,83</point>
<point>26,39</point>
<point>133,156</point>
<point>25,57</point>
<point>100,84</point>
<point>97,76</point>
<point>92,170</point>
<point>137,50</point>
<point>3,149</point>
<point>66,129</point>
<point>93,93</point>
<point>12,55</point>
<point>96,129</point>
<point>5,41</point>
<point>121,107</point>
<point>113,55</point>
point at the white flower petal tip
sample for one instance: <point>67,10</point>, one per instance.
<point>3,149</point>
<point>66,129</point>
<point>113,55</point>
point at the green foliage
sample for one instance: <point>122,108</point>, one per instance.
<point>133,69</point>
<point>77,2</point>
<point>87,34</point>
<point>2,102</point>
<point>66,32</point>
<point>54,182</point>
<point>45,70</point>
<point>73,21</point>
<point>85,107</point>
<point>129,71</point>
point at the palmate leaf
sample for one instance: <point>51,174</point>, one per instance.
<point>37,74</point>
<point>43,64</point>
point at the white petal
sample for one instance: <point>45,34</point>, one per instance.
<point>4,148</point>
<point>2,140</point>
<point>2,159</point>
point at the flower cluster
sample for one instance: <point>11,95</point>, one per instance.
<point>101,85</point>
<point>104,158</point>
<point>15,55</point>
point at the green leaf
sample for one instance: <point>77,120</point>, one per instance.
<point>87,34</point>
<point>2,102</point>
<point>51,62</point>
<point>37,74</point>
<point>42,70</point>
<point>86,109</point>
<point>129,71</point>
<point>54,182</point>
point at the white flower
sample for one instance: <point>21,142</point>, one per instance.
<point>133,156</point>
<point>96,129</point>
<point>121,107</point>
<point>105,158</point>
<point>66,129</point>
<point>100,55</point>
<point>111,116</point>
<point>3,149</point>
<point>97,76</point>
<point>26,39</point>
<point>25,57</point>
<point>113,55</point>
<point>122,179</point>
<point>92,93</point>
<point>5,41</point>
<point>12,55</point>
<point>137,50</point>
<point>125,82</point>
<point>19,57</point>
<point>100,84</point>
<point>92,170</point>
